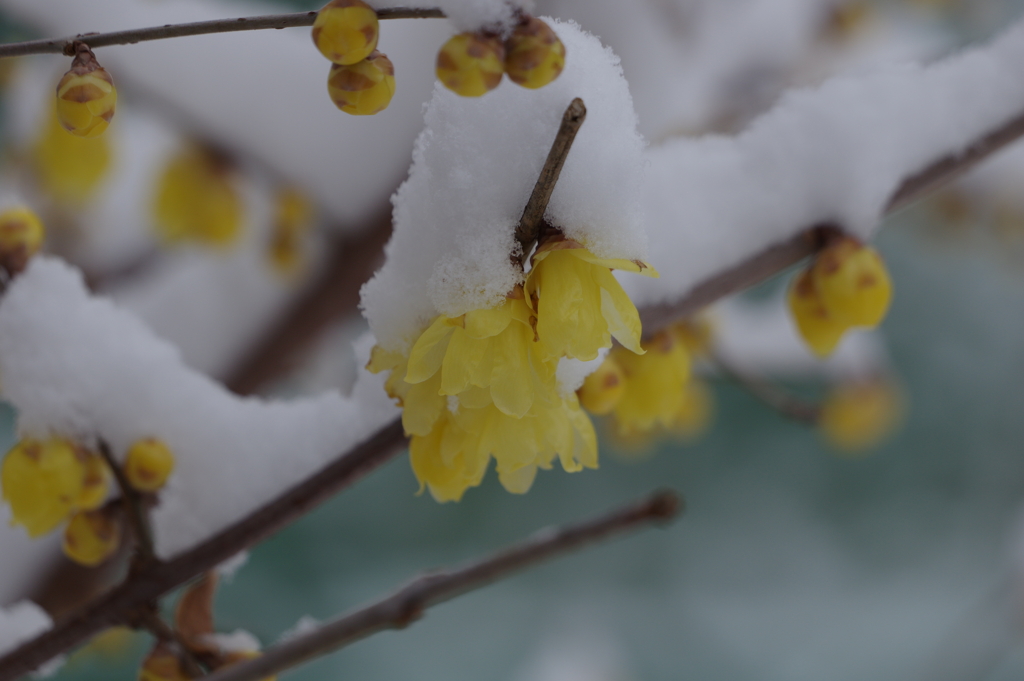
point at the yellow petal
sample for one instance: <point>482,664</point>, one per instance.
<point>428,352</point>
<point>619,312</point>
<point>511,385</point>
<point>382,360</point>
<point>635,266</point>
<point>489,322</point>
<point>518,481</point>
<point>423,406</point>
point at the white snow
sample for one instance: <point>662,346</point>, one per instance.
<point>77,365</point>
<point>832,154</point>
<point>20,622</point>
<point>473,170</point>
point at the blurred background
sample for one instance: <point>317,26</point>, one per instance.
<point>801,555</point>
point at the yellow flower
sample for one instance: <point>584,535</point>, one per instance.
<point>364,88</point>
<point>534,54</point>
<point>21,236</point>
<point>148,464</point>
<point>695,411</point>
<point>655,384</point>
<point>42,481</point>
<point>455,454</point>
<point>95,482</point>
<point>471,64</point>
<point>86,96</point>
<point>91,537</point>
<point>292,217</point>
<point>602,390</point>
<point>819,330</point>
<point>852,283</point>
<point>196,198</point>
<point>69,167</point>
<point>492,349</point>
<point>578,303</point>
<point>859,416</point>
<point>346,31</point>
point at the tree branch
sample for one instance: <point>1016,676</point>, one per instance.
<point>138,35</point>
<point>530,223</point>
<point>156,579</point>
<point>774,259</point>
<point>770,394</point>
<point>408,603</point>
<point>134,509</point>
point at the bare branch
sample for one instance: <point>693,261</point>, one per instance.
<point>333,294</point>
<point>150,620</point>
<point>769,393</point>
<point>533,215</point>
<point>408,603</point>
<point>776,258</point>
<point>138,35</point>
<point>135,508</point>
<point>157,578</point>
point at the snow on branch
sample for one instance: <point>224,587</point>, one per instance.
<point>838,155</point>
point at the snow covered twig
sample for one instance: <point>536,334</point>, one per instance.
<point>777,258</point>
<point>137,35</point>
<point>533,215</point>
<point>408,603</point>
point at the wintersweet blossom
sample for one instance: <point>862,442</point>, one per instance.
<point>579,304</point>
<point>484,384</point>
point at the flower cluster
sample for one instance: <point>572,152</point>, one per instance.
<point>651,392</point>
<point>362,80</point>
<point>847,286</point>
<point>197,199</point>
<point>484,384</point>
<point>472,64</point>
<point>49,482</point>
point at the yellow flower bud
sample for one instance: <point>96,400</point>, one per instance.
<point>91,537</point>
<point>346,31</point>
<point>603,389</point>
<point>196,198</point>
<point>148,465</point>
<point>471,64</point>
<point>86,96</point>
<point>69,168</point>
<point>852,283</point>
<point>42,481</point>
<point>292,217</point>
<point>695,411</point>
<point>162,664</point>
<point>21,237</point>
<point>95,482</point>
<point>365,88</point>
<point>861,415</point>
<point>820,331</point>
<point>534,54</point>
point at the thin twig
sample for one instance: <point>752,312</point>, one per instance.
<point>149,619</point>
<point>407,604</point>
<point>533,215</point>
<point>135,509</point>
<point>769,393</point>
<point>157,578</point>
<point>777,258</point>
<point>138,35</point>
